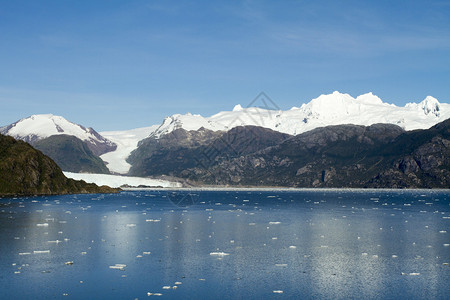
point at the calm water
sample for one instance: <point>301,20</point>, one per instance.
<point>227,245</point>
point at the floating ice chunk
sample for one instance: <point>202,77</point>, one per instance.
<point>274,223</point>
<point>41,251</point>
<point>118,267</point>
<point>278,292</point>
<point>219,254</point>
<point>54,242</point>
<point>42,225</point>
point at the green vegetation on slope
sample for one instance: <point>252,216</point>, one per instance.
<point>27,171</point>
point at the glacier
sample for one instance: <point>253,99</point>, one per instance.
<point>330,109</point>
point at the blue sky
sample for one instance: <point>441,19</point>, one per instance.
<point>124,64</point>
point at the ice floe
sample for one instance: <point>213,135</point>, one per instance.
<point>41,251</point>
<point>219,254</point>
<point>118,267</point>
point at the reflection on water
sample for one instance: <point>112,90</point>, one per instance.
<point>228,245</point>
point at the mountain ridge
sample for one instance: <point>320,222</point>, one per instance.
<point>38,127</point>
<point>115,147</point>
<point>341,156</point>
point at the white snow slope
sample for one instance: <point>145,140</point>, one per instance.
<point>117,180</point>
<point>37,127</point>
<point>332,109</point>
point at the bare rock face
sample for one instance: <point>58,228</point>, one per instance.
<point>100,145</point>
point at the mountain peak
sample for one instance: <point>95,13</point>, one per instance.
<point>430,105</point>
<point>237,108</point>
<point>38,127</point>
<point>369,98</point>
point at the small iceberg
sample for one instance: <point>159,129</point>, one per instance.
<point>118,267</point>
<point>410,274</point>
<point>219,254</point>
<point>281,265</point>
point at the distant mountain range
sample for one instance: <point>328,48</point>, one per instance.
<point>294,145</point>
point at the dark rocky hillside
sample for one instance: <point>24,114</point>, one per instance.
<point>27,171</point>
<point>377,156</point>
<point>71,154</point>
<point>160,156</point>
<point>181,150</point>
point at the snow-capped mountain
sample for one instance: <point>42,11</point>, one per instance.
<point>39,127</point>
<point>331,109</point>
<point>114,147</point>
